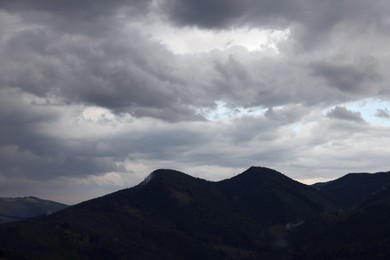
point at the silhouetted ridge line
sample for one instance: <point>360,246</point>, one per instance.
<point>258,214</point>
<point>354,189</point>
<point>261,173</point>
<point>19,208</point>
<point>169,177</point>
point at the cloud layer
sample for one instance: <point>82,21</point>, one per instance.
<point>92,96</point>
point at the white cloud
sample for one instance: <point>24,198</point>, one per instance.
<point>192,40</point>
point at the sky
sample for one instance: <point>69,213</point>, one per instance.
<point>96,94</point>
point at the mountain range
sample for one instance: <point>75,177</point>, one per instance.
<point>15,209</point>
<point>258,214</point>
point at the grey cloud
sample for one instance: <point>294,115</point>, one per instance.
<point>26,150</point>
<point>87,16</point>
<point>203,13</point>
<point>248,79</point>
<point>223,14</point>
<point>136,76</point>
<point>355,78</point>
<point>24,164</point>
<point>20,120</point>
<point>232,69</point>
<point>36,142</point>
<point>382,113</point>
<point>71,7</point>
<point>311,22</point>
<point>59,55</point>
<point>15,111</point>
<point>286,115</point>
<point>221,144</point>
<point>343,113</point>
<point>233,80</point>
<point>39,156</point>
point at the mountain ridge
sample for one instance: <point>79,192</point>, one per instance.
<point>19,208</point>
<point>291,200</point>
<point>353,189</point>
<point>259,213</point>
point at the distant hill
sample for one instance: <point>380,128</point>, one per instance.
<point>259,214</point>
<point>353,189</point>
<point>14,209</point>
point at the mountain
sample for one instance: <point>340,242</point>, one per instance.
<point>381,197</point>
<point>14,209</point>
<point>258,214</point>
<point>361,230</point>
<point>353,189</point>
<point>272,197</point>
<point>361,233</point>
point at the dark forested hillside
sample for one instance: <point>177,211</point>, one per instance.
<point>353,189</point>
<point>259,214</point>
<point>271,197</point>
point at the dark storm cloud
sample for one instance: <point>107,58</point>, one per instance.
<point>132,75</point>
<point>60,58</point>
<point>221,14</point>
<point>343,113</point>
<point>19,120</point>
<point>311,21</point>
<point>247,79</point>
<point>24,164</point>
<point>70,7</point>
<point>204,13</point>
<point>25,150</point>
<point>128,72</point>
<point>35,144</point>
<point>87,16</point>
<point>350,78</point>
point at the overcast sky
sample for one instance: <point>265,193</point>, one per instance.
<point>96,94</point>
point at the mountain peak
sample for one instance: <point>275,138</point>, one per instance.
<point>167,172</point>
<point>261,169</point>
<point>281,198</point>
<point>260,173</point>
<point>166,176</point>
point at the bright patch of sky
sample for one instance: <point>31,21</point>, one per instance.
<point>194,40</point>
<point>369,110</point>
<point>311,181</point>
<point>373,111</point>
<point>96,114</point>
